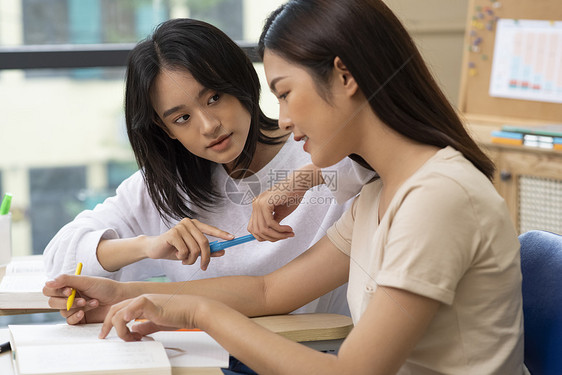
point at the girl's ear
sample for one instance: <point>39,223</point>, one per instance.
<point>344,76</point>
<point>161,125</point>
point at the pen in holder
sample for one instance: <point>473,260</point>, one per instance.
<point>5,238</point>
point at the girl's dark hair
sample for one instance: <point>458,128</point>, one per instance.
<point>170,171</point>
<point>383,59</point>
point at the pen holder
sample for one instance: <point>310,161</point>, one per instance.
<point>5,238</point>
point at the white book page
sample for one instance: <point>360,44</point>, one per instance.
<point>46,334</point>
<point>192,349</point>
<point>27,264</point>
<point>23,283</point>
<point>108,357</point>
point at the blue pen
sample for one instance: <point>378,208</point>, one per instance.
<point>217,246</point>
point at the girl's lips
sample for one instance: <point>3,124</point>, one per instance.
<point>219,140</point>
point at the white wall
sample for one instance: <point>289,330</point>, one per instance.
<point>437,27</point>
<point>255,13</point>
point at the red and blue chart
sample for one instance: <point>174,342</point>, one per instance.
<point>527,60</point>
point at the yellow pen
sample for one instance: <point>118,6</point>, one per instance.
<point>70,299</point>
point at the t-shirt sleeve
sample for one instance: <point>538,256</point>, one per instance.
<point>431,241</point>
<point>341,231</point>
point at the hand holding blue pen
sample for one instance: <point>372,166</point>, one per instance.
<point>217,246</point>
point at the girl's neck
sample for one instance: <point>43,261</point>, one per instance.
<point>394,157</point>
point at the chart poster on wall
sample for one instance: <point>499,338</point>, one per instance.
<point>527,61</point>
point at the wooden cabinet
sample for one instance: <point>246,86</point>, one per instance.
<point>530,180</point>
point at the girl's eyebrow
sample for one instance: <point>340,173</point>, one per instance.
<point>202,92</point>
<point>168,112</point>
<point>274,82</point>
<point>172,110</point>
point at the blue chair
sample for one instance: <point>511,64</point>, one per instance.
<point>541,266</point>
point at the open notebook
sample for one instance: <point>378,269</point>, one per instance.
<point>63,349</point>
<point>22,284</point>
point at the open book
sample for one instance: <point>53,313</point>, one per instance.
<point>64,349</point>
<point>22,284</point>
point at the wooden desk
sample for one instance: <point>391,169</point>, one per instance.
<point>24,311</point>
<point>305,328</point>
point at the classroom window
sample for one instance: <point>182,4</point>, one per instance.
<point>119,21</point>
<point>68,147</point>
<point>54,197</point>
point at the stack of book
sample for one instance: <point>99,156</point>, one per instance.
<point>547,136</point>
<point>21,286</point>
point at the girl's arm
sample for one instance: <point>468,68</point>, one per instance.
<point>186,241</point>
<point>123,230</point>
<point>279,292</point>
<point>390,327</point>
<point>380,343</point>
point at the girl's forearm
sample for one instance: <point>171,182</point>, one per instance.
<point>245,294</point>
<point>260,349</point>
<point>116,254</point>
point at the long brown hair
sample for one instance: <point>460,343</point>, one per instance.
<point>383,59</point>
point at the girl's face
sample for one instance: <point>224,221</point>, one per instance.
<point>325,127</point>
<point>209,124</point>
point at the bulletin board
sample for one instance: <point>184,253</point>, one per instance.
<point>475,100</point>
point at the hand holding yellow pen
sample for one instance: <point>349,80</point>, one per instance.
<point>70,299</point>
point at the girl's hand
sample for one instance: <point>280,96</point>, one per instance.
<point>276,203</point>
<point>186,242</point>
<point>268,209</point>
<point>94,297</point>
<point>162,312</point>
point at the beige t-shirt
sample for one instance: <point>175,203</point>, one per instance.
<point>446,235</point>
